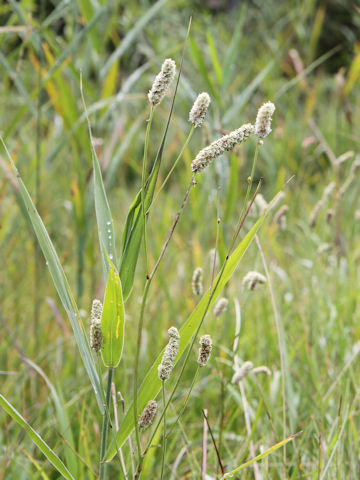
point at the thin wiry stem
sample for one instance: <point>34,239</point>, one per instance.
<point>143,180</point>
<point>164,434</point>
<point>257,473</point>
<point>141,318</point>
<point>182,409</point>
<point>175,164</point>
<point>204,447</point>
<point>104,430</point>
<point>116,421</point>
<point>205,413</point>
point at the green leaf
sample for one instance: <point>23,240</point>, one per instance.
<point>35,437</point>
<point>262,455</point>
<point>113,319</point>
<point>61,285</point>
<point>151,384</point>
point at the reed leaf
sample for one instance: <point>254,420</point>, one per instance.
<point>113,319</point>
<point>35,437</point>
<point>61,284</point>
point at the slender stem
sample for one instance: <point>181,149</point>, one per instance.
<point>205,413</point>
<point>143,178</point>
<point>164,434</point>
<point>251,178</point>
<point>104,431</point>
<point>141,318</point>
<point>175,164</point>
<point>204,447</point>
<point>257,473</point>
<point>116,420</point>
<point>186,400</point>
<point>136,367</point>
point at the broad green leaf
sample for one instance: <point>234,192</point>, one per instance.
<point>35,437</point>
<point>61,285</point>
<point>262,455</point>
<point>131,36</point>
<point>151,384</point>
<point>113,319</point>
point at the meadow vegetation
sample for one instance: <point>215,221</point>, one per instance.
<point>278,376</point>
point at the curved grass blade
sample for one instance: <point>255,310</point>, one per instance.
<point>103,214</point>
<point>113,319</point>
<point>35,437</point>
<point>262,455</point>
<point>131,36</point>
<point>61,284</point>
<point>151,384</point>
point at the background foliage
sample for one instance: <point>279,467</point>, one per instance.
<point>305,57</point>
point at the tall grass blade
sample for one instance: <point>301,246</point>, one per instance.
<point>61,285</point>
<point>104,218</point>
<point>35,437</point>
<point>261,456</point>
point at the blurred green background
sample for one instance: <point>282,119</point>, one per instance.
<point>302,55</point>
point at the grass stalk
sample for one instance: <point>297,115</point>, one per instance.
<point>164,434</point>
<point>143,181</point>
<point>149,279</point>
<point>105,424</point>
<point>175,164</point>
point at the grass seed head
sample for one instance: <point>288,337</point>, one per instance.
<point>162,82</point>
<point>96,337</point>
<point>148,415</point>
<point>263,120</point>
<point>170,354</point>
<point>221,307</point>
<point>262,369</point>
<point>204,350</point>
<point>199,109</point>
<point>217,148</point>
<point>252,279</point>
<point>241,372</point>
<point>197,281</point>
